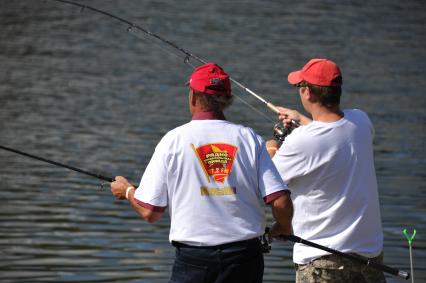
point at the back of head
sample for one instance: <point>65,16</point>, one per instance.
<point>324,79</point>
<point>212,86</point>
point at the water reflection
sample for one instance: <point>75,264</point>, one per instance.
<point>77,88</point>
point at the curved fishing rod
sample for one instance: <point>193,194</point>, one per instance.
<point>81,171</point>
<point>187,54</point>
<point>360,259</point>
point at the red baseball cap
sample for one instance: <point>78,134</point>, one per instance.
<point>211,79</point>
<point>321,72</point>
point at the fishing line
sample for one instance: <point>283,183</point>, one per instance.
<point>132,27</point>
<point>134,32</point>
<point>186,59</point>
<point>255,109</point>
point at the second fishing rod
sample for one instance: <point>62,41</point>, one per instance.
<point>59,164</point>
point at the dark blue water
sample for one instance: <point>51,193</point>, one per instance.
<point>77,88</point>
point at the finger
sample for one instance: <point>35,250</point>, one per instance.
<point>282,109</point>
<point>120,179</point>
<point>287,124</point>
<point>283,113</point>
<point>282,117</point>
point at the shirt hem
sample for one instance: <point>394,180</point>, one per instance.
<point>271,197</point>
<point>150,206</point>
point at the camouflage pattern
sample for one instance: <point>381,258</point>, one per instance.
<point>335,269</point>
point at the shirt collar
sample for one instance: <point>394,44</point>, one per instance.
<point>208,115</point>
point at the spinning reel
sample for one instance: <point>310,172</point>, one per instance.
<point>281,132</point>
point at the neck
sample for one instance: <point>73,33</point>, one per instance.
<point>207,115</point>
<point>324,114</point>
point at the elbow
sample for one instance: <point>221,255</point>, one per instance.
<point>146,213</point>
<point>149,220</point>
<point>150,216</point>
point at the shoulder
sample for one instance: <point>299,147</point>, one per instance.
<point>247,131</point>
<point>355,114</point>
<point>250,134</point>
<point>240,129</point>
<point>358,117</point>
<point>173,136</point>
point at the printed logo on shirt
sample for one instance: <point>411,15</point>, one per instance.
<point>216,160</point>
<point>206,191</point>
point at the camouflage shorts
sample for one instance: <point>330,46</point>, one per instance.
<point>334,268</point>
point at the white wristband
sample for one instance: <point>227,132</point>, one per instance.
<point>128,190</point>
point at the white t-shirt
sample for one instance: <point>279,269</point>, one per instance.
<point>329,168</point>
<point>210,174</point>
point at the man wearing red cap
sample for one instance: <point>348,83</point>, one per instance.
<point>328,164</point>
<point>210,174</point>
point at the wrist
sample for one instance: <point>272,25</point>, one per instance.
<point>128,191</point>
<point>271,148</point>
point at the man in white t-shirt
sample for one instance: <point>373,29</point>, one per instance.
<point>328,164</point>
<point>211,174</point>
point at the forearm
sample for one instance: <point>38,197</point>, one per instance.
<point>272,147</point>
<point>122,189</point>
<point>282,211</point>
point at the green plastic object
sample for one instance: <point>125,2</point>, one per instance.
<point>409,238</point>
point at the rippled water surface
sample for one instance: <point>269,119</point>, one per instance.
<point>77,88</point>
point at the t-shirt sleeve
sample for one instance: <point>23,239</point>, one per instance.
<point>152,191</point>
<point>291,161</point>
<point>369,123</point>
<point>271,185</point>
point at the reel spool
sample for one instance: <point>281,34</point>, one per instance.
<point>281,132</point>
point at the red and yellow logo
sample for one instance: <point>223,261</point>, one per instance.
<point>216,160</point>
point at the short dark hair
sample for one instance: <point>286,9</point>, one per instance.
<point>327,96</point>
<point>215,103</point>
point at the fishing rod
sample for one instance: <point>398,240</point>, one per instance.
<point>81,171</point>
<point>188,54</point>
<point>358,258</point>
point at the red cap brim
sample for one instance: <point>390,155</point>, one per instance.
<point>295,77</point>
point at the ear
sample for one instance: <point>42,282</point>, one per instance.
<point>192,98</point>
<point>309,95</point>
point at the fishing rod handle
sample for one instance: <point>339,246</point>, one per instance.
<point>404,275</point>
<point>399,273</point>
<point>277,111</point>
<point>273,107</point>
